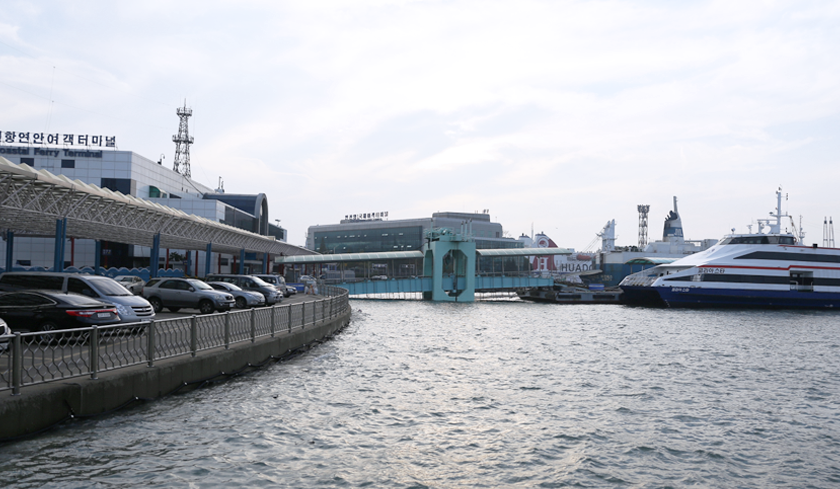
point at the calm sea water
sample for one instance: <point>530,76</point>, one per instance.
<point>415,394</point>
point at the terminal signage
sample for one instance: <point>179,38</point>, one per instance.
<point>366,216</point>
<point>12,137</point>
<point>67,153</point>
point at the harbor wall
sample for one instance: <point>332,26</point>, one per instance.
<point>42,405</point>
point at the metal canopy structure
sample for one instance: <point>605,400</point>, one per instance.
<point>31,201</point>
<point>523,251</point>
<point>398,255</point>
<point>348,257</point>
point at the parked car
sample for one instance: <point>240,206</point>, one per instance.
<point>176,293</point>
<point>290,290</point>
<point>131,308</point>
<point>250,283</point>
<point>243,298</point>
<point>277,281</point>
<point>5,331</point>
<point>131,282</point>
<point>50,310</point>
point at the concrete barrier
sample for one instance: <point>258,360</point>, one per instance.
<point>41,406</point>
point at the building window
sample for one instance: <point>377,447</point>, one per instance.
<point>68,163</point>
<point>122,185</point>
<point>27,161</point>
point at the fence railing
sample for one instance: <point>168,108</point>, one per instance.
<point>39,357</point>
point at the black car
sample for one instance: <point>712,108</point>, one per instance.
<point>47,310</point>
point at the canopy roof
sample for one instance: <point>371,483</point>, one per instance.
<point>32,200</point>
<point>345,257</point>
<point>523,251</point>
<point>650,261</point>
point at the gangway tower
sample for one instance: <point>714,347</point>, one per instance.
<point>182,141</point>
<point>643,225</point>
<point>828,233</point>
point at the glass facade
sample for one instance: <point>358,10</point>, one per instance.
<point>408,238</point>
<point>238,219</point>
<point>118,185</point>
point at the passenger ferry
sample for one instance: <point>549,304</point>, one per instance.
<point>774,270</point>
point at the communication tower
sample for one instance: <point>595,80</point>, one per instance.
<point>643,224</point>
<point>182,142</point>
<point>828,233</point>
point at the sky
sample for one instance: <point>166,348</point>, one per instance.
<point>557,116</point>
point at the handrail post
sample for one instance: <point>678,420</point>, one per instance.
<point>94,352</point>
<point>253,325</point>
<point>303,315</point>
<point>17,365</point>
<point>290,317</point>
<point>273,311</point>
<point>193,335</point>
<point>150,350</point>
<point>227,330</point>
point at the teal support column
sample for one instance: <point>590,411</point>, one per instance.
<point>60,236</point>
<point>265,264</point>
<point>10,250</point>
<point>207,261</point>
<point>154,258</point>
<point>187,262</point>
<point>97,257</point>
<point>242,262</point>
<point>459,249</point>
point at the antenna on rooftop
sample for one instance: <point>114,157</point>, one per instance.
<point>643,224</point>
<point>182,142</point>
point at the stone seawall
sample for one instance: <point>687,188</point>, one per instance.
<point>40,406</point>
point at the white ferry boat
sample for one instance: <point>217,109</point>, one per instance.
<point>773,269</point>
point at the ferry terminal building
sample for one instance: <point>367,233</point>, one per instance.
<point>373,232</point>
<point>132,174</point>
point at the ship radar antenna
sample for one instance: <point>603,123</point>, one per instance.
<point>182,141</point>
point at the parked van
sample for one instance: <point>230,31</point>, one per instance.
<point>277,281</point>
<point>131,308</point>
<point>249,283</point>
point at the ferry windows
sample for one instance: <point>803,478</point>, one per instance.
<point>750,240</point>
<point>802,281</point>
<point>786,240</point>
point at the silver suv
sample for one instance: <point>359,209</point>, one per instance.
<point>277,281</point>
<point>175,293</point>
<point>250,283</point>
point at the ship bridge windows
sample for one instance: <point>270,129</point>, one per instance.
<point>785,240</point>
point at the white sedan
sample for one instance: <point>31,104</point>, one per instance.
<point>131,282</point>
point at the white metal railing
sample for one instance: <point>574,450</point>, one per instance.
<point>35,358</point>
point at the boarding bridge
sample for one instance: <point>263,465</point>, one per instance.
<point>449,269</point>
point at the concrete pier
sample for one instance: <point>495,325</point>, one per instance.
<point>42,405</point>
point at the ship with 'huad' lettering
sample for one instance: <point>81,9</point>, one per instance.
<point>773,269</point>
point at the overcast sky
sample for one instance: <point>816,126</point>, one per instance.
<point>559,115</point>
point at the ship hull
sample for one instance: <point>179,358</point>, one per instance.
<point>709,297</point>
